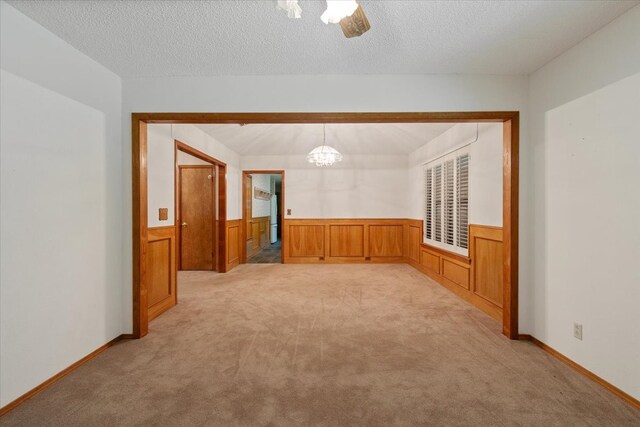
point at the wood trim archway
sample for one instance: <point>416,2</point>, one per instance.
<point>510,119</point>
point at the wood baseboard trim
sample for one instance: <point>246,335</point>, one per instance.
<point>28,395</point>
<point>584,371</point>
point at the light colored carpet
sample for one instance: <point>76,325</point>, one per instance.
<point>322,345</point>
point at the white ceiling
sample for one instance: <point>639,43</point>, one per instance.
<point>180,38</point>
<point>348,138</point>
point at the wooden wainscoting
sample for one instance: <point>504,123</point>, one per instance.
<point>476,278</point>
<point>233,243</point>
<point>413,240</point>
<point>161,270</point>
<point>485,247</point>
<point>348,240</point>
<point>305,241</point>
<point>259,239</point>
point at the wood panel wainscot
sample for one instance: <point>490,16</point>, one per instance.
<point>350,240</point>
<point>233,243</point>
<point>477,278</point>
<point>260,235</point>
<point>161,270</point>
<point>414,238</point>
<point>485,247</point>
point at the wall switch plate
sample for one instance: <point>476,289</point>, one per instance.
<point>577,331</point>
<point>288,211</point>
<point>163,214</point>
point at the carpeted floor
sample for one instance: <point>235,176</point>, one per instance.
<point>322,345</point>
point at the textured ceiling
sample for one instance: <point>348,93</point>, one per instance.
<point>180,38</point>
<point>298,139</point>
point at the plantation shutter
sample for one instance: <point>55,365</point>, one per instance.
<point>428,206</point>
<point>437,214</point>
<point>462,201</point>
<point>448,191</point>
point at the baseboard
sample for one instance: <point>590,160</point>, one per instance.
<point>584,371</point>
<point>28,395</point>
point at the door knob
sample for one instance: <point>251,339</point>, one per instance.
<point>184,224</point>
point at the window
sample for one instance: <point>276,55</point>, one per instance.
<point>446,202</point>
<point>437,212</point>
<point>462,201</point>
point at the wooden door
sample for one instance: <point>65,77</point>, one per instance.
<point>248,205</point>
<point>197,190</point>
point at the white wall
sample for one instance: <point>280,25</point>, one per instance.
<point>358,187</point>
<point>61,205</point>
<point>485,171</point>
<point>260,207</point>
<point>321,93</point>
<point>585,129</point>
<point>188,159</point>
<point>160,174</point>
<point>160,163</point>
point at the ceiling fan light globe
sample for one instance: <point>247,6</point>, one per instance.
<point>337,10</point>
<point>294,11</point>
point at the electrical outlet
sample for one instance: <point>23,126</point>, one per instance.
<point>288,211</point>
<point>577,331</point>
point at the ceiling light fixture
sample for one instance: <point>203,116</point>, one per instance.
<point>294,11</point>
<point>338,9</point>
<point>324,155</point>
<point>349,14</point>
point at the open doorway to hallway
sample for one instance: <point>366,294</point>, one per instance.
<point>262,215</point>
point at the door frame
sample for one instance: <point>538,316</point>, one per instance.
<point>245,196</point>
<point>221,194</point>
<point>510,174</point>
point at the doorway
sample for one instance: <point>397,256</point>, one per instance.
<point>262,215</point>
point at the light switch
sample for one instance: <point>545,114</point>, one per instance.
<point>288,211</point>
<point>163,214</point>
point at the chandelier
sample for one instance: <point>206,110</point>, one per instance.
<point>324,155</point>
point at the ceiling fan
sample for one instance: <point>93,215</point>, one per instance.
<point>348,13</point>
